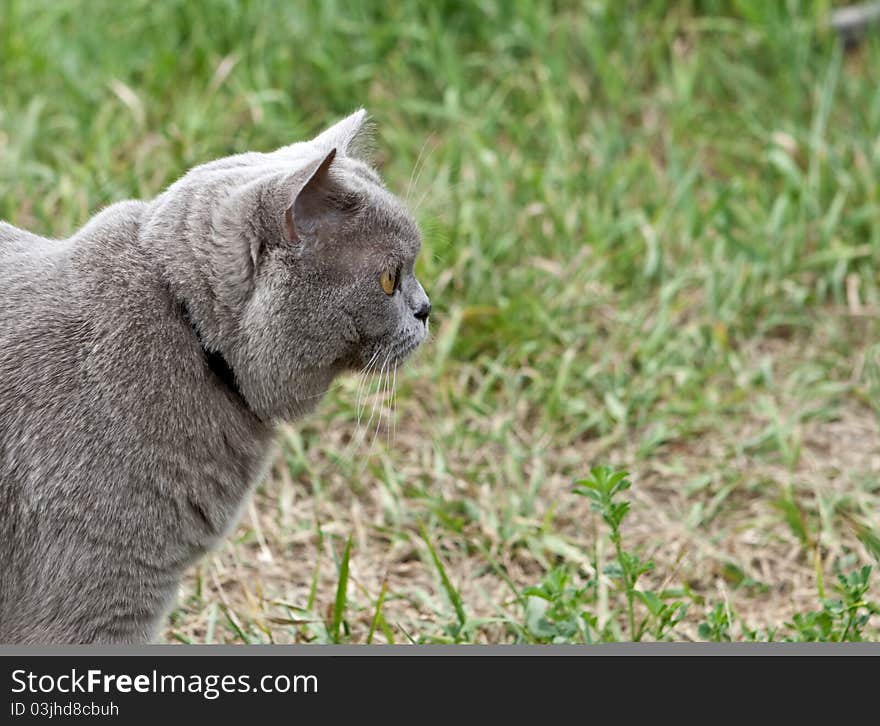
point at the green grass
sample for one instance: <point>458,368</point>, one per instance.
<point>650,241</point>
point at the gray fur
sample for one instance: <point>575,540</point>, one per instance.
<point>123,456</point>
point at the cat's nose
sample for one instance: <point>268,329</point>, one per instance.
<point>423,312</point>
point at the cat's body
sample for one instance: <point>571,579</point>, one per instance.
<point>145,361</point>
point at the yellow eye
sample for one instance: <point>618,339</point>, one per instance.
<point>388,280</point>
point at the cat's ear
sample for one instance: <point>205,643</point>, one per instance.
<point>278,206</point>
<point>348,135</point>
<point>310,198</point>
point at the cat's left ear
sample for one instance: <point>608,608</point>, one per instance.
<point>313,189</point>
<point>344,135</point>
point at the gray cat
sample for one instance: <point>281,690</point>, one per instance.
<point>145,361</point>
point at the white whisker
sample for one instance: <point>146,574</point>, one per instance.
<point>392,431</point>
<point>362,386</point>
<point>416,172</point>
<point>375,400</point>
<point>358,435</point>
<point>384,386</point>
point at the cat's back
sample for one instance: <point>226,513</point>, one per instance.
<point>44,282</point>
<point>15,241</point>
<point>33,272</point>
<point>25,259</point>
<point>29,266</point>
<point>50,292</point>
<point>32,267</point>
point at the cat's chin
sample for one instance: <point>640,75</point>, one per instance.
<point>377,359</point>
<point>291,411</point>
<point>407,350</point>
<point>281,402</point>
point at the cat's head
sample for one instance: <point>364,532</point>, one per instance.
<point>301,267</point>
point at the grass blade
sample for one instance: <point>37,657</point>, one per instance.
<point>451,592</point>
<point>341,593</point>
<point>377,617</point>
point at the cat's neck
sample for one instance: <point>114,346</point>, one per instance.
<point>216,362</point>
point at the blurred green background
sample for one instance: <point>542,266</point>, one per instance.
<point>650,241</point>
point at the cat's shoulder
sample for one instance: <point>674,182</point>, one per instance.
<point>116,224</point>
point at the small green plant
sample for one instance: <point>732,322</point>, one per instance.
<point>558,610</point>
<point>603,487</point>
<point>716,626</point>
<point>841,619</point>
<point>555,610</point>
<point>663,616</point>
